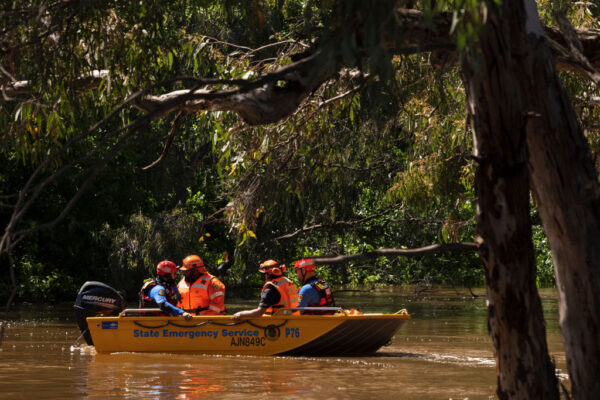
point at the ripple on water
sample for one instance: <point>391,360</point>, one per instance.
<point>82,349</point>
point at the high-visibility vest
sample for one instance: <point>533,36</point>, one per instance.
<point>287,291</point>
<point>205,296</point>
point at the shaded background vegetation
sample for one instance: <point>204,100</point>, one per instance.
<point>378,159</point>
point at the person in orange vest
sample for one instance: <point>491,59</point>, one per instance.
<point>201,293</point>
<point>313,292</point>
<point>278,291</point>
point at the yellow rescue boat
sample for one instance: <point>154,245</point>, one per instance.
<point>280,334</point>
<point>104,324</point>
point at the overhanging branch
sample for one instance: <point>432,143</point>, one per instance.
<point>24,88</point>
<point>276,95</point>
<point>574,49</point>
<point>422,251</point>
<point>335,225</point>
<point>268,99</point>
<point>170,137</point>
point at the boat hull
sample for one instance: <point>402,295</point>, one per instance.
<point>268,335</point>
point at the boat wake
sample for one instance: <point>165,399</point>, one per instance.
<point>460,360</point>
<point>443,358</point>
<point>83,349</point>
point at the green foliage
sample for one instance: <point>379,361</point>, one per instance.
<point>543,257</point>
<point>378,158</point>
<point>42,284</point>
<point>136,249</point>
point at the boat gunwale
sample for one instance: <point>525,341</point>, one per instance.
<point>262,318</point>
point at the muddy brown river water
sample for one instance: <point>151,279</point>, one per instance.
<point>443,352</point>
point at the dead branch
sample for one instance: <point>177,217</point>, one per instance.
<point>575,49</point>
<point>336,225</point>
<point>20,88</point>
<point>19,235</point>
<point>268,99</point>
<point>170,138</point>
<point>422,251</point>
<point>31,191</point>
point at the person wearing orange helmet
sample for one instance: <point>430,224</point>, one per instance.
<point>201,293</point>
<point>313,292</point>
<point>278,291</point>
<point>161,292</point>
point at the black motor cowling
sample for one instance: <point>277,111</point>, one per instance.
<point>96,299</point>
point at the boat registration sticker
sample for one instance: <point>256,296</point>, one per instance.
<point>110,325</point>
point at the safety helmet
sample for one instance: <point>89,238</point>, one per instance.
<point>272,267</point>
<point>165,267</point>
<point>191,262</point>
<point>307,264</point>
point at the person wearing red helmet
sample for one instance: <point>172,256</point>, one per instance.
<point>201,293</point>
<point>161,292</point>
<point>278,291</point>
<point>313,292</point>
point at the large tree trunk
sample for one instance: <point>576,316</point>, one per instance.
<point>565,186</point>
<point>504,230</point>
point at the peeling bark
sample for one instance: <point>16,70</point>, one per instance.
<point>565,187</point>
<point>267,100</point>
<point>515,314</point>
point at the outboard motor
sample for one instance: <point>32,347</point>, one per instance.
<point>96,299</point>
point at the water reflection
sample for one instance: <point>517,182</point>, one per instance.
<point>156,375</point>
<point>443,352</point>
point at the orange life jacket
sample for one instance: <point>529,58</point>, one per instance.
<point>206,296</point>
<point>287,291</point>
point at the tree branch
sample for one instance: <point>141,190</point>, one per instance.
<point>30,192</point>
<point>575,49</point>
<point>170,138</point>
<point>20,88</point>
<point>422,251</point>
<point>276,95</point>
<point>91,178</point>
<point>335,225</point>
<point>266,100</point>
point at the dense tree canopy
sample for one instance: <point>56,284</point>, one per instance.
<point>280,129</point>
<point>68,67</point>
<point>277,186</point>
